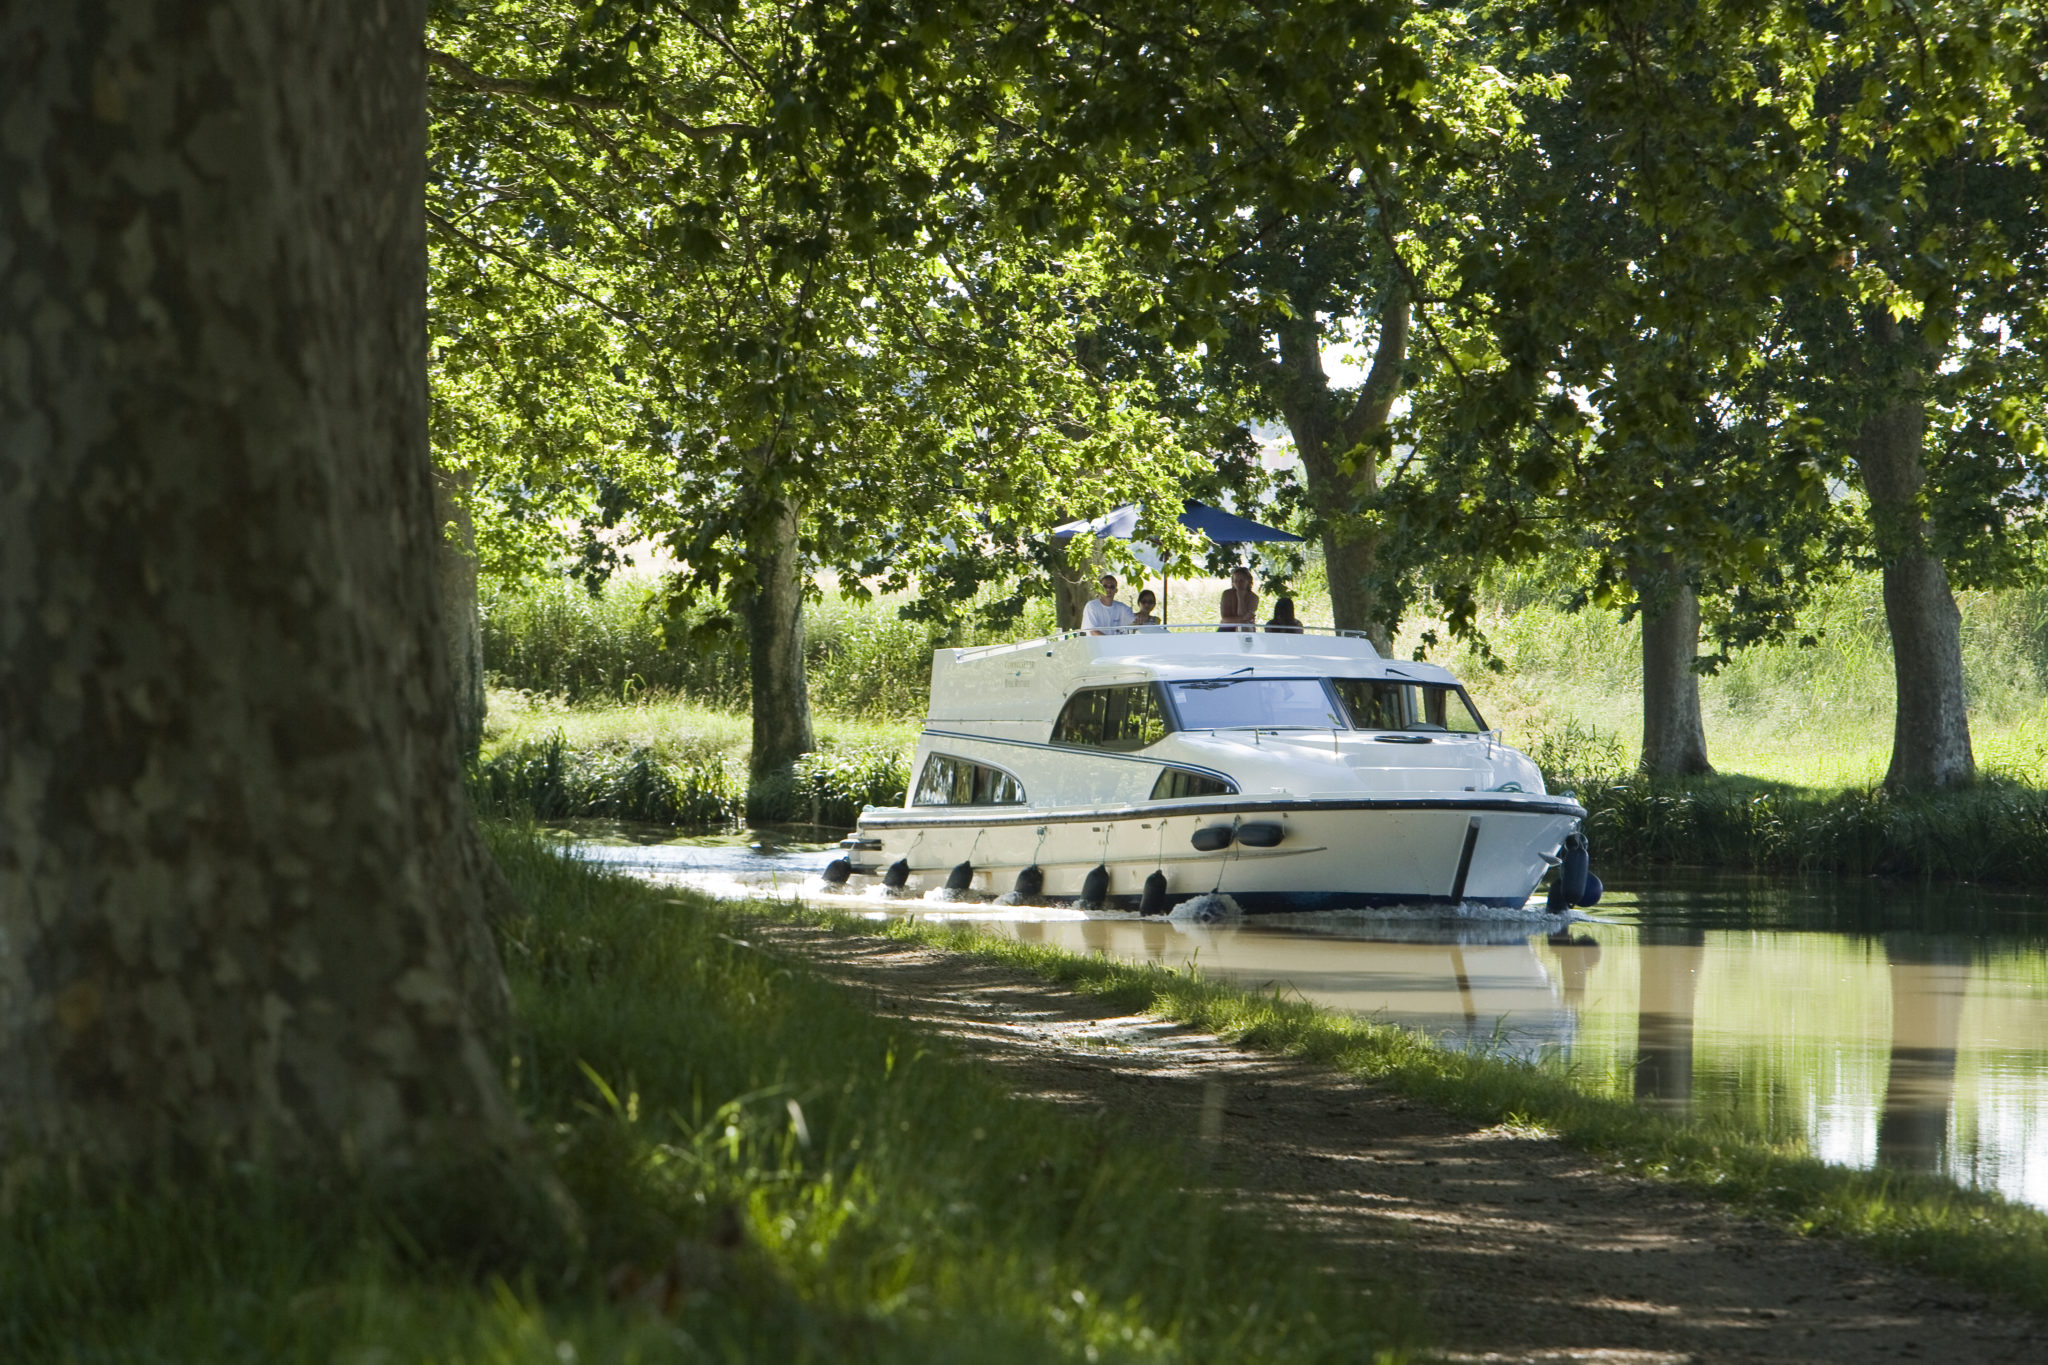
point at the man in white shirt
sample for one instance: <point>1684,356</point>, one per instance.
<point>1105,615</point>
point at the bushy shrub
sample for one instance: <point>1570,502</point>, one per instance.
<point>829,787</point>
<point>684,786</point>
<point>651,783</point>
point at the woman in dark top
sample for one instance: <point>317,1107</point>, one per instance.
<point>1284,620</point>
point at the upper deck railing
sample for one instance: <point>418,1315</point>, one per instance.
<point>1175,628</point>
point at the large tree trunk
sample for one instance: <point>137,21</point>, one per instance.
<point>240,910</point>
<point>775,653</point>
<point>1674,739</point>
<point>1931,735</point>
<point>1332,435</point>
<point>462,626</point>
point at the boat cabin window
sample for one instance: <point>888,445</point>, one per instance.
<point>1255,703</point>
<point>1175,783</point>
<point>1388,704</point>
<point>1122,718</point>
<point>949,781</point>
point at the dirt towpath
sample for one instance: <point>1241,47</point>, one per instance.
<point>1521,1248</point>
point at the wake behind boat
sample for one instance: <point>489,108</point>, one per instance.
<point>1286,771</point>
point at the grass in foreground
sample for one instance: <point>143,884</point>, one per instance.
<point>765,1171</point>
<point>1974,1237</point>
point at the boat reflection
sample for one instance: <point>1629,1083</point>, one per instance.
<point>1467,985</point>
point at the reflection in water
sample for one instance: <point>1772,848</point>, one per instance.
<point>1669,961</point>
<point>1929,980</point>
<point>1832,1014</point>
<point>1576,954</point>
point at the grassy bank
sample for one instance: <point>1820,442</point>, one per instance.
<point>764,1171</point>
<point>1976,1238</point>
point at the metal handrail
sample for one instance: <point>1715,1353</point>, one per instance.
<point>1166,628</point>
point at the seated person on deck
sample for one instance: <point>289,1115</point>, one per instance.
<point>1105,615</point>
<point>1240,609</point>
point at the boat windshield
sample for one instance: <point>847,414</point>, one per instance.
<point>1387,704</point>
<point>1254,703</point>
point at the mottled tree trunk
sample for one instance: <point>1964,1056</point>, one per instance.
<point>239,904</point>
<point>1931,734</point>
<point>775,650</point>
<point>1674,738</point>
<point>1332,436</point>
<point>462,626</point>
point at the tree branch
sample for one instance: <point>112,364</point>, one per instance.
<point>1383,382</point>
<point>469,77</point>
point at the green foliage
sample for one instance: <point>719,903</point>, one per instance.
<point>1975,1237</point>
<point>655,784</point>
<point>764,1170</point>
<point>1993,832</point>
<point>830,787</point>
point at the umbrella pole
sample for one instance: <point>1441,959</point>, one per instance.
<point>1165,592</point>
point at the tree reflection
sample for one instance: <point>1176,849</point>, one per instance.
<point>1929,979</point>
<point>1670,959</point>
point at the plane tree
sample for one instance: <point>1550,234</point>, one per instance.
<point>243,913</point>
<point>1617,399</point>
<point>1924,136</point>
<point>778,349</point>
<point>1772,212</point>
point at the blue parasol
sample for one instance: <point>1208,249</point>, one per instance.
<point>1225,528</point>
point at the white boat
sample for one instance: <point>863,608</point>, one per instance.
<point>1284,771</point>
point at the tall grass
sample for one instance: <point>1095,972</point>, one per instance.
<point>763,1170</point>
<point>861,659</point>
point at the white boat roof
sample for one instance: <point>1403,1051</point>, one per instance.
<point>1032,678</point>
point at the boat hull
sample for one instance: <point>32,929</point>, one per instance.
<point>1483,849</point>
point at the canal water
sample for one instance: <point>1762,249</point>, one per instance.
<point>1903,1026</point>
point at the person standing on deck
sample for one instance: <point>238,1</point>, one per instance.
<point>1240,609</point>
<point>1105,615</point>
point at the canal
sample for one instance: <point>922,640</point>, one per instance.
<point>1881,1024</point>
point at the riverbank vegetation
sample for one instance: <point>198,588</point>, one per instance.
<point>1802,731</point>
<point>763,1169</point>
<point>1976,1238</point>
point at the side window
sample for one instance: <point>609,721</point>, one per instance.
<point>1448,708</point>
<point>935,787</point>
<point>949,781</point>
<point>1375,704</point>
<point>1176,783</point>
<point>1119,718</point>
<point>1382,704</point>
<point>1080,719</point>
